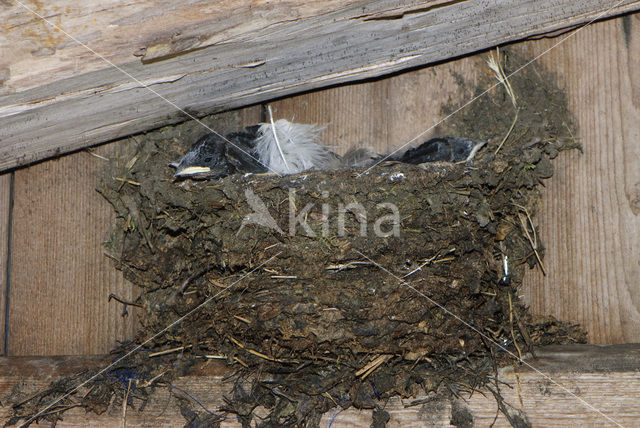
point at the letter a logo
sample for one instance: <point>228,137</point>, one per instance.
<point>260,214</point>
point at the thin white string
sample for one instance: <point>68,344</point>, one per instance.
<point>275,137</point>
<point>405,283</point>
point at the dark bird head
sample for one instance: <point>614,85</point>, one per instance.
<point>207,158</point>
<point>443,149</point>
<point>214,156</point>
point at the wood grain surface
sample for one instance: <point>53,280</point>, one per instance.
<point>590,216</point>
<point>61,279</point>
<point>268,56</point>
<point>577,386</point>
<point>5,195</point>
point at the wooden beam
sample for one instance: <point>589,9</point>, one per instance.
<point>236,54</point>
<point>587,385</point>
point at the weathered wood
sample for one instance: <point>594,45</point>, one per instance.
<point>590,213</point>
<point>34,53</point>
<point>5,218</point>
<point>574,377</point>
<point>263,56</point>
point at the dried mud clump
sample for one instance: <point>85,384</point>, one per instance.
<point>342,288</point>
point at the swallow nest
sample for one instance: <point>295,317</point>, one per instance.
<point>335,278</point>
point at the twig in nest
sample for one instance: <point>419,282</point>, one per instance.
<point>126,180</point>
<point>127,168</point>
<point>513,124</point>
<point>244,320</point>
<point>218,283</point>
<point>239,361</point>
<point>59,410</point>
<point>259,354</point>
<point>515,416</point>
<point>94,154</point>
<point>169,351</point>
<point>271,246</point>
<point>349,265</point>
<point>152,380</point>
<point>513,335</point>
<point>194,399</point>
<point>138,218</point>
<point>574,140</point>
<point>433,260</point>
<point>495,65</point>
<point>373,365</point>
<point>214,357</point>
<point>124,405</point>
<point>531,237</point>
<point>327,395</point>
<point>86,394</point>
<point>125,303</point>
<point>525,335</point>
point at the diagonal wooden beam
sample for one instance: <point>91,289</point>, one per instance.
<point>234,55</point>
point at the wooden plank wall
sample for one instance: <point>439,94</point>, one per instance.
<point>60,279</point>
<point>591,225</point>
<point>5,213</point>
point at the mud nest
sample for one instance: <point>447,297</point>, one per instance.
<point>343,288</point>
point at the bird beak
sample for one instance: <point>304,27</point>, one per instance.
<point>189,170</point>
<point>475,150</point>
<point>192,170</point>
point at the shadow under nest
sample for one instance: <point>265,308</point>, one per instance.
<point>341,299</point>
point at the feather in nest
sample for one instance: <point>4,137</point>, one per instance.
<point>289,148</point>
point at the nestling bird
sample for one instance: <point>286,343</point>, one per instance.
<point>442,149</point>
<point>284,147</point>
<point>214,156</point>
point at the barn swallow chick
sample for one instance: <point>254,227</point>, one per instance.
<point>214,156</point>
<point>284,148</point>
<point>442,149</point>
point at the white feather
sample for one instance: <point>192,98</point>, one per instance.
<point>294,150</point>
